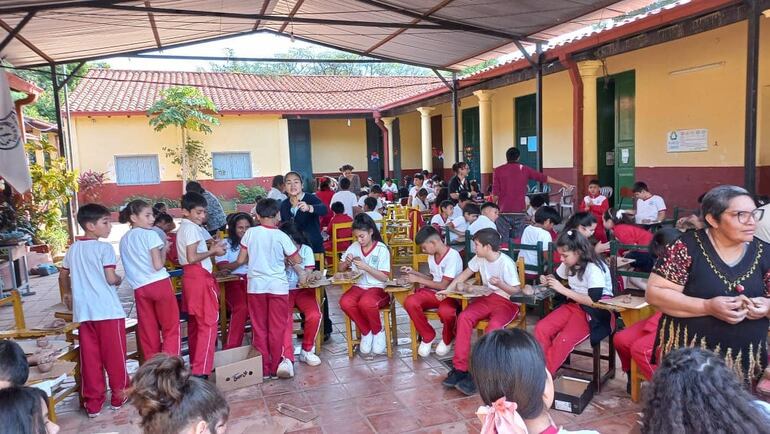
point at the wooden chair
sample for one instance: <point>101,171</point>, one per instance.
<point>544,256</point>
<point>389,325</point>
<point>598,378</point>
<point>520,321</point>
<point>335,253</point>
<point>615,272</point>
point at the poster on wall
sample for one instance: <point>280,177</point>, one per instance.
<point>694,140</point>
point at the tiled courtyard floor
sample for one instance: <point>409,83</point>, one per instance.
<point>349,395</point>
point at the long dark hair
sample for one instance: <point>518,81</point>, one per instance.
<point>290,228</point>
<point>21,410</point>
<point>693,391</point>
<point>362,222</point>
<point>169,398</point>
<point>232,234</point>
<point>132,208</point>
<point>510,363</point>
<point>582,218</point>
<point>573,241</point>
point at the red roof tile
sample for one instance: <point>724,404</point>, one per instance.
<point>123,91</point>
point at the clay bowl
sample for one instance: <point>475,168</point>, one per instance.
<point>45,365</point>
<point>43,343</point>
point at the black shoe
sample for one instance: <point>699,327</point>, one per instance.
<point>628,383</point>
<point>453,377</point>
<point>202,377</point>
<point>327,337</point>
<point>466,385</point>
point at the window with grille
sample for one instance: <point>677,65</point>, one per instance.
<point>231,165</point>
<point>137,170</point>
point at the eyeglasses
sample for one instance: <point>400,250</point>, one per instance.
<point>745,216</point>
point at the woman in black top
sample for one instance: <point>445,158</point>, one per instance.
<point>712,286</point>
<point>459,182</point>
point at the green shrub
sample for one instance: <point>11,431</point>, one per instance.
<point>248,195</point>
<point>55,236</point>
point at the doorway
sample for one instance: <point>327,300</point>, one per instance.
<point>396,151</point>
<point>471,142</point>
<point>374,154</point>
<point>300,155</point>
<point>437,145</point>
<point>525,116</point>
<point>615,105</point>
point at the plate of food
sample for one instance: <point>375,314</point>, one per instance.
<point>346,277</point>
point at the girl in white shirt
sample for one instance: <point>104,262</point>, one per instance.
<point>363,301</point>
<point>589,281</point>
<point>235,291</point>
<point>143,256</point>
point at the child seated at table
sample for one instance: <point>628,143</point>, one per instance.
<point>14,369</point>
<point>498,272</point>
<point>370,209</point>
<point>540,231</point>
<point>444,216</point>
<point>595,203</point>
<point>621,225</point>
<point>637,341</point>
<point>339,216</point>
<point>459,225</point>
<point>585,223</point>
<point>509,369</point>
<point>562,330</point>
<point>489,214</point>
<point>303,299</point>
<point>375,192</point>
<point>420,200</point>
<point>363,301</point>
<point>649,208</point>
<point>444,264</point>
<point>535,202</point>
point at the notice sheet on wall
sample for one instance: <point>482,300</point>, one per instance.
<point>695,140</point>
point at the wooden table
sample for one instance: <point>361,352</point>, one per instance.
<point>221,281</point>
<point>400,293</point>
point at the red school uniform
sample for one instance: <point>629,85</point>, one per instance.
<point>637,342</point>
<point>632,234</point>
<point>363,301</point>
<point>304,300</point>
<point>597,205</point>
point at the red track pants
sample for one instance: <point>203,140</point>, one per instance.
<point>424,299</point>
<point>498,310</point>
<point>102,348</point>
<point>560,332</point>
<point>201,301</point>
<point>637,342</point>
<point>304,300</point>
<point>363,306</point>
<point>239,312</point>
<point>158,315</point>
<point>268,314</point>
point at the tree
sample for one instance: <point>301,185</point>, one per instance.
<point>190,111</point>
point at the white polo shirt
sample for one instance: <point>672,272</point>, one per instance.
<point>231,256</point>
<point>377,217</point>
<point>308,263</point>
<point>190,233</point>
<point>348,200</point>
<point>268,249</point>
<point>460,225</point>
<point>93,299</point>
<point>378,258</point>
<point>483,222</point>
<point>361,200</point>
<point>649,209</point>
<point>503,267</point>
<point>135,247</point>
<point>593,277</point>
<point>447,267</point>
<point>439,221</point>
<point>531,236</point>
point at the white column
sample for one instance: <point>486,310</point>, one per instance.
<point>589,71</point>
<point>388,122</point>
<point>485,130</point>
<point>427,146</point>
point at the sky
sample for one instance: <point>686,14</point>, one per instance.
<point>255,45</point>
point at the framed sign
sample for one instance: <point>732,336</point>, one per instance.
<point>696,140</point>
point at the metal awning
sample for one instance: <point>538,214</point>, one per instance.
<point>444,34</point>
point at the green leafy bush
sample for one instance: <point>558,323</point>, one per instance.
<point>249,195</point>
<point>55,236</point>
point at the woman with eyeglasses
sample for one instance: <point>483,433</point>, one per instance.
<point>712,285</point>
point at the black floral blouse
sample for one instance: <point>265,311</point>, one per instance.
<point>693,262</point>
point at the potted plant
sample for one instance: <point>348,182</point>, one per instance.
<point>91,183</point>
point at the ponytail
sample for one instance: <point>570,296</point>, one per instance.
<point>132,208</point>
<point>363,222</point>
<point>169,398</point>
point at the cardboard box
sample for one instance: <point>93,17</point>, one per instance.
<point>237,367</point>
<point>572,394</point>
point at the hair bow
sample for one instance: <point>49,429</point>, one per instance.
<point>619,214</point>
<point>501,417</point>
<point>569,232</point>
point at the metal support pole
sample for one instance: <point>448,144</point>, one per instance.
<point>752,74</point>
<point>62,147</point>
<point>455,111</point>
<point>539,106</point>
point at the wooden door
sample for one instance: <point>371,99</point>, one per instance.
<point>471,142</point>
<point>437,144</point>
<point>300,154</point>
<point>396,126</point>
<point>374,155</point>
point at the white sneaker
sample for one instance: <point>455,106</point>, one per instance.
<point>380,343</point>
<point>309,357</point>
<point>442,349</point>
<point>366,343</point>
<point>424,349</point>
<point>285,369</point>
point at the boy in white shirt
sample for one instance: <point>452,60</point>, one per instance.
<point>458,225</point>
<point>419,183</point>
<point>420,201</point>
<point>375,192</point>
<point>489,214</point>
<point>200,293</point>
<point>346,197</point>
<point>370,209</point>
<point>445,264</point>
<point>390,187</point>
<point>650,208</point>
<point>545,219</point>
<point>444,216</point>
<point>498,272</point>
<point>88,273</point>
<point>267,248</point>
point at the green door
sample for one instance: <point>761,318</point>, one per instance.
<point>471,142</point>
<point>525,112</point>
<point>376,166</point>
<point>605,139</point>
<point>396,151</point>
<point>300,156</point>
<point>625,161</point>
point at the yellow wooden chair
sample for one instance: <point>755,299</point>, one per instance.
<point>335,253</point>
<point>389,325</point>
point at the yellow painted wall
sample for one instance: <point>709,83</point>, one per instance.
<point>334,143</point>
<point>712,98</point>
<point>98,139</point>
<point>411,141</point>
